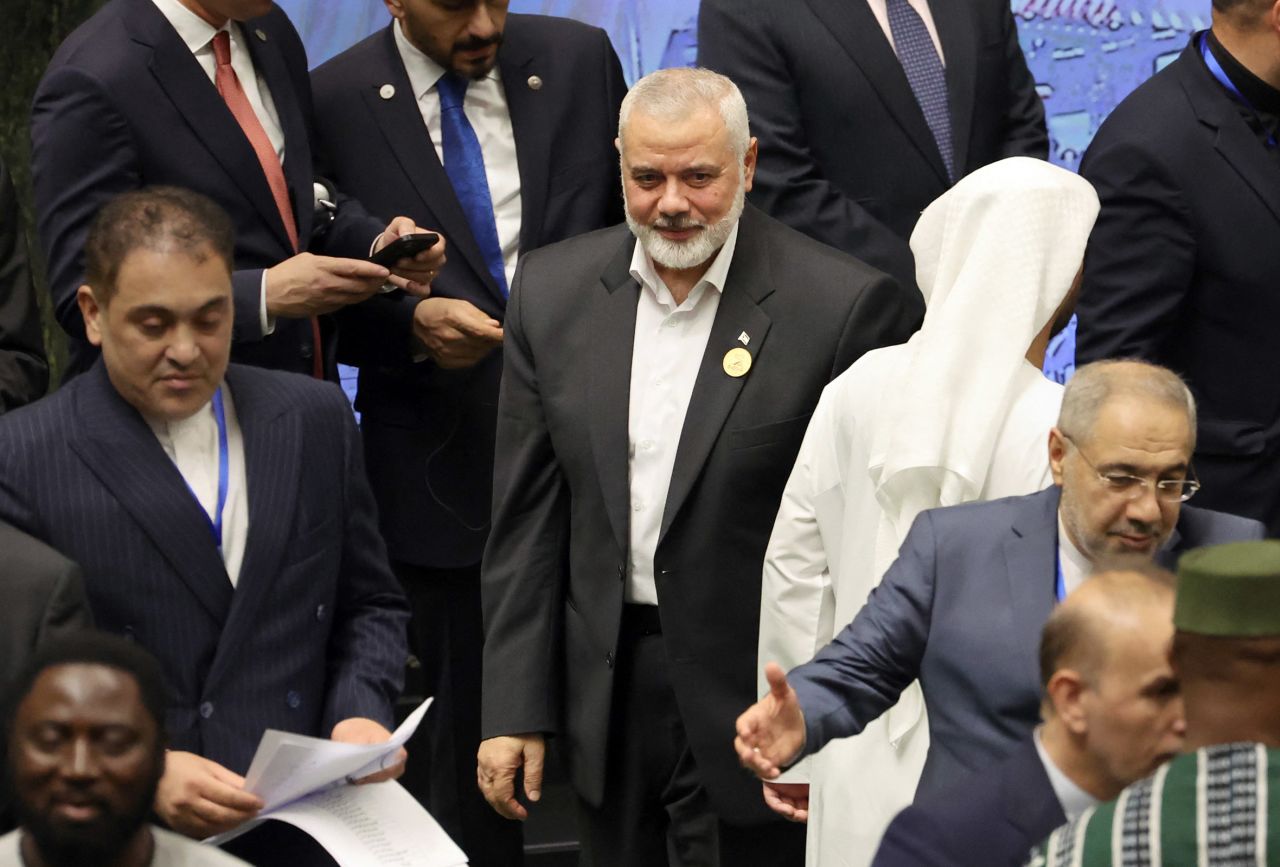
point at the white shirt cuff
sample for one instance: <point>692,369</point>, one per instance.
<point>268,323</point>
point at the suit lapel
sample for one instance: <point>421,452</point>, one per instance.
<point>749,282</point>
<point>1030,804</point>
<point>197,100</point>
<point>272,454</point>
<point>121,450</point>
<point>531,126</point>
<point>400,121</point>
<point>1029,551</point>
<point>959,42</point>
<point>298,171</point>
<point>609,403</point>
<point>854,26</point>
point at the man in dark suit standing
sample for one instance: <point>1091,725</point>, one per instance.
<point>1181,267</point>
<point>540,100</point>
<point>962,607</point>
<point>211,95</point>
<point>1112,715</point>
<point>220,513</point>
<point>24,369</point>
<point>41,598</point>
<point>868,110</point>
<point>658,379</point>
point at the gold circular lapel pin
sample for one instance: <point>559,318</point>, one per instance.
<point>737,362</point>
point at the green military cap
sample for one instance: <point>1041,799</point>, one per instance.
<point>1230,590</point>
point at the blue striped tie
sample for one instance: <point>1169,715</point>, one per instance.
<point>925,74</point>
<point>464,164</point>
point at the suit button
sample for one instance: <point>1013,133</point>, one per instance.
<point>319,612</point>
<point>206,709</point>
<point>608,659</point>
<point>293,699</point>
<point>305,350</point>
<point>129,634</point>
<point>622,572</point>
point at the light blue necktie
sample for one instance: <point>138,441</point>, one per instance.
<point>464,164</point>
<point>925,73</point>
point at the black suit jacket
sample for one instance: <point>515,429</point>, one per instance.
<point>845,153</point>
<point>24,369</point>
<point>991,818</point>
<point>429,432</point>
<point>41,598</point>
<point>314,630</point>
<point>555,565</point>
<point>1181,269</point>
<point>123,105</point>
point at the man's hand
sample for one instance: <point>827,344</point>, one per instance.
<point>771,731</point>
<point>455,332</point>
<point>201,798</point>
<point>497,764</point>
<point>358,730</point>
<point>413,274</point>
<point>788,800</point>
<point>308,285</point>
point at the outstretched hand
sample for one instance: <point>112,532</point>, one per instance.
<point>770,733</point>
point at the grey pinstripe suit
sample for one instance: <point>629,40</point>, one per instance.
<point>314,631</point>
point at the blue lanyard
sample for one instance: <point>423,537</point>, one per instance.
<point>1060,587</point>
<point>224,471</point>
<point>1216,70</point>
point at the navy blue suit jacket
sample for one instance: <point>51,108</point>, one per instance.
<point>991,818</point>
<point>314,630</point>
<point>961,609</point>
<point>123,105</point>
<point>1181,270</point>
<point>429,432</point>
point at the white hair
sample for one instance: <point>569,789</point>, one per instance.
<point>672,94</point>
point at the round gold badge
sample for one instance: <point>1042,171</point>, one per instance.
<point>737,362</point>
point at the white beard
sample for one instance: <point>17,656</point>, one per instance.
<point>683,255</point>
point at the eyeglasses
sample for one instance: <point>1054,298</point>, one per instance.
<point>1133,487</point>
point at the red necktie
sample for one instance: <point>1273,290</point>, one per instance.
<point>228,84</point>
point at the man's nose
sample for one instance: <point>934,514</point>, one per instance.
<point>1144,508</point>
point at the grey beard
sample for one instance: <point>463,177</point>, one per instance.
<point>683,255</point>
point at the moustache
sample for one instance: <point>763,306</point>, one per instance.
<point>676,224</point>
<point>476,43</point>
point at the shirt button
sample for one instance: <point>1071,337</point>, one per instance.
<point>206,709</point>
<point>319,612</point>
<point>293,699</point>
<point>638,506</point>
<point>646,445</point>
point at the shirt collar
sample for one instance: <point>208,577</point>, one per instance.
<point>423,72</point>
<point>1072,558</point>
<point>1073,799</point>
<point>194,31</point>
<point>1261,96</point>
<point>643,271</point>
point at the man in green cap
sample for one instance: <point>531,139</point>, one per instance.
<point>1212,806</point>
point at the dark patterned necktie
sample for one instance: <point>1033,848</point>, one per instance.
<point>925,73</point>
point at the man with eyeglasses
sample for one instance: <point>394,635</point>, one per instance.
<point>962,607</point>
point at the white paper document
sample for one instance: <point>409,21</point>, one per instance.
<point>305,781</point>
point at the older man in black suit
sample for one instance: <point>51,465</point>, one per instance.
<point>658,380</point>
<point>540,96</point>
<point>1181,267</point>
<point>868,110</point>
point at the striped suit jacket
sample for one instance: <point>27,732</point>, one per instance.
<point>314,630</point>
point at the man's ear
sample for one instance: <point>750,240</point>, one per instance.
<point>1057,452</point>
<point>749,162</point>
<point>1065,692</point>
<point>90,311</point>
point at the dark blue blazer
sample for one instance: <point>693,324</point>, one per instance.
<point>429,432</point>
<point>961,610</point>
<point>1181,270</point>
<point>123,105</point>
<point>314,631</point>
<point>991,818</point>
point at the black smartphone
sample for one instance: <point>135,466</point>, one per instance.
<point>404,247</point>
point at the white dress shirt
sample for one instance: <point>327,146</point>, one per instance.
<point>1074,564</point>
<point>192,445</point>
<point>1073,799</point>
<point>670,341</point>
<point>198,35</point>
<point>485,106</point>
<point>880,9</point>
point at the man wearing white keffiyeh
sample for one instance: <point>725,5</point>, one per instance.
<point>959,413</point>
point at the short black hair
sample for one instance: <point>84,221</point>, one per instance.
<point>93,647</point>
<point>1236,7</point>
<point>154,218</point>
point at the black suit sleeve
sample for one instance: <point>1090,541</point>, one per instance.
<point>885,315</point>
<point>1140,261</point>
<point>522,584</point>
<point>912,840</point>
<point>24,369</point>
<point>1025,134</point>
<point>789,183</point>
